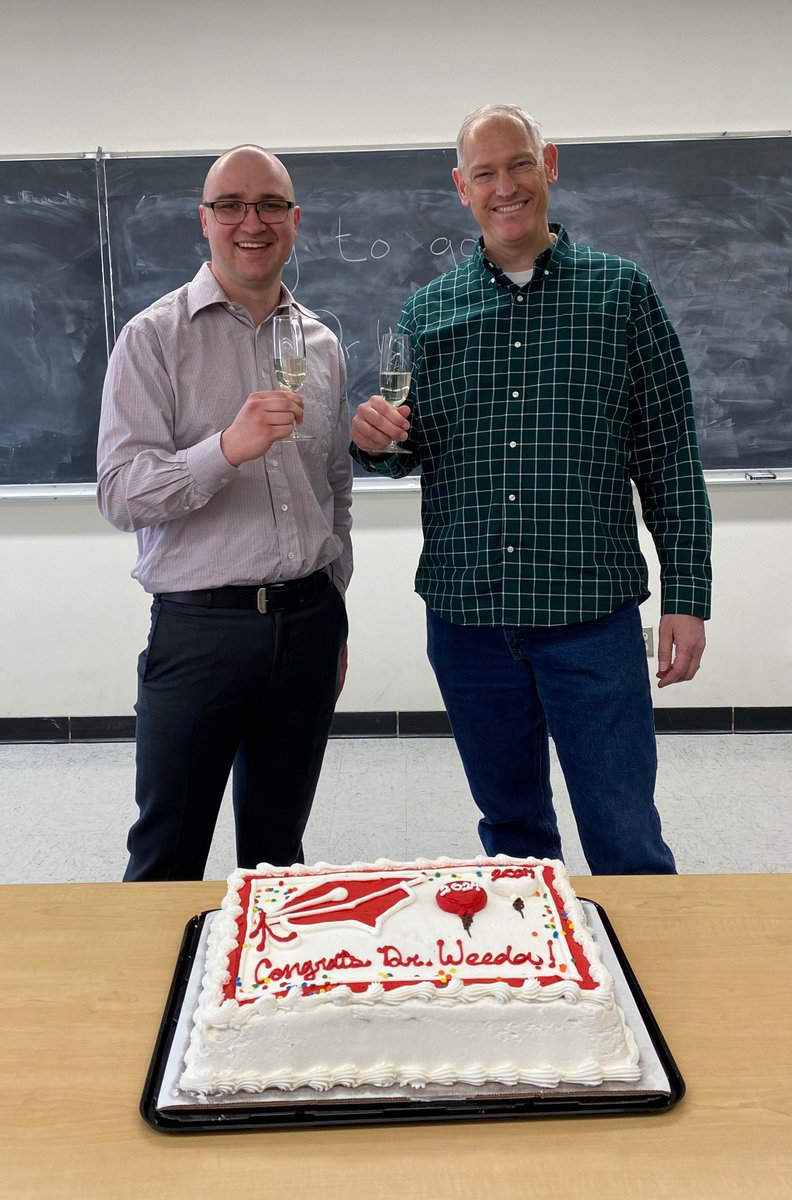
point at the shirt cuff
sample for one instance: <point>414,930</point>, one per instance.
<point>691,597</point>
<point>208,466</point>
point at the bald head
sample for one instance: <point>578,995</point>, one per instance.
<point>249,254</point>
<point>248,158</point>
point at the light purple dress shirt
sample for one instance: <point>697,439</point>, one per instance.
<point>177,377</point>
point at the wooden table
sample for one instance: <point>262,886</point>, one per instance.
<point>86,970</point>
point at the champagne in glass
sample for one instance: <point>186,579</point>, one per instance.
<point>394,377</point>
<point>290,372</point>
<point>394,386</point>
<point>288,347</point>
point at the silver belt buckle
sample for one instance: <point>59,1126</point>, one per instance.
<point>261,600</point>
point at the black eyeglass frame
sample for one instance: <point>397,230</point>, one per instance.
<point>265,219</point>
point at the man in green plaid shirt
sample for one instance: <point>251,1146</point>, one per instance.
<point>547,378</point>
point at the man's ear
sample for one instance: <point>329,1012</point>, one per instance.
<point>551,162</point>
<point>461,186</point>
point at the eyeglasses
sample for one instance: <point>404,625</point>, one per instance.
<point>233,212</point>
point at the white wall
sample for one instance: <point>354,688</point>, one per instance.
<point>200,75</point>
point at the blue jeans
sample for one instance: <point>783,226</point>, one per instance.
<point>221,689</point>
<point>587,686</point>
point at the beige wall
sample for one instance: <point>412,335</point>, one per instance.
<point>176,76</point>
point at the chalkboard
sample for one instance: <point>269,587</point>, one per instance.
<point>84,246</point>
<point>711,221</point>
<point>53,346</point>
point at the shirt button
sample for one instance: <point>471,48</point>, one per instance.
<point>274,462</point>
<point>515,395</point>
<point>284,508</point>
<point>520,299</point>
<point>517,345</point>
<point>510,549</point>
<point>547,272</point>
<point>512,444</point>
<point>290,554</point>
<point>512,496</point>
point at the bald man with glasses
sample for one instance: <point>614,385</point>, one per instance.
<point>243,536</point>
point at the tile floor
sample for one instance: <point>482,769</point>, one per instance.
<point>65,809</point>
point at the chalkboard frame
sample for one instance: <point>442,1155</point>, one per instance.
<point>691,150</point>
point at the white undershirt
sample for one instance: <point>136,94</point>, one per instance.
<point>520,277</point>
<point>523,277</point>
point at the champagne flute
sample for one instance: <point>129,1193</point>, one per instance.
<point>394,376</point>
<point>288,346</point>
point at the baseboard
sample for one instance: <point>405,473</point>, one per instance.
<point>395,725</point>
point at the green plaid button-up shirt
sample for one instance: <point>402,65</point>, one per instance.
<point>532,410</point>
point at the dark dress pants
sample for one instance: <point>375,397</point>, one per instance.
<point>227,688</point>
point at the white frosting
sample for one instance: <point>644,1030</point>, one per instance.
<point>516,992</point>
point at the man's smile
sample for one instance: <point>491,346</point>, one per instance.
<point>515,206</point>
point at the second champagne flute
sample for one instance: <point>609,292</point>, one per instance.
<point>288,347</point>
<point>394,377</point>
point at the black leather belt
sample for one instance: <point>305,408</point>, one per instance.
<point>271,597</point>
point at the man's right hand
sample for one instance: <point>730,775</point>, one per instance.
<point>375,424</point>
<point>264,418</point>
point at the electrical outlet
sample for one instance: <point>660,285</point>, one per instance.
<point>648,637</point>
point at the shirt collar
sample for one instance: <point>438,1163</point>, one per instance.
<point>548,261</point>
<point>203,291</point>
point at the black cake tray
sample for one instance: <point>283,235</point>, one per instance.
<point>168,1113</point>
